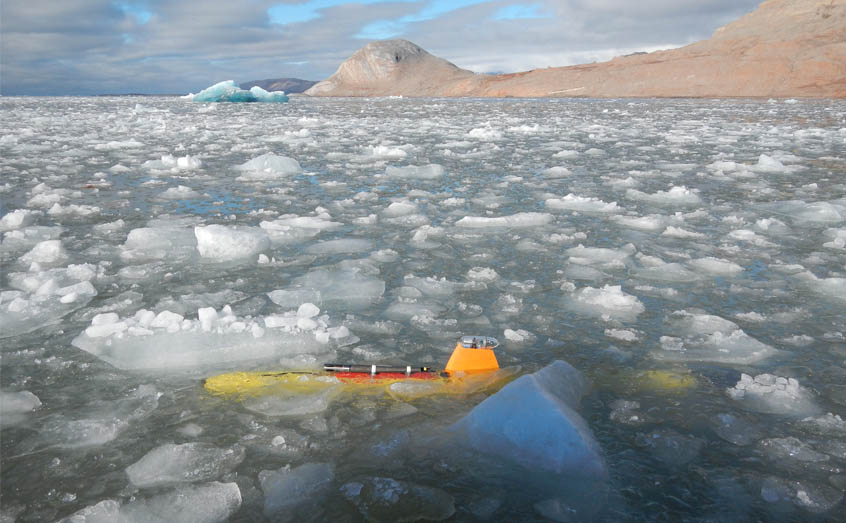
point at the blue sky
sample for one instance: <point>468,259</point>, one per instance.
<point>54,47</point>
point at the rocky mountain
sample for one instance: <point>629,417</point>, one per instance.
<point>392,67</point>
<point>785,48</point>
<point>289,85</point>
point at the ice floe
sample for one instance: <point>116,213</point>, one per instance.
<point>773,394</point>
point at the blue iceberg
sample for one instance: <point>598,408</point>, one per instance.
<point>532,422</point>
<point>228,91</point>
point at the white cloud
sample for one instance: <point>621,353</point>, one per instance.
<point>176,46</point>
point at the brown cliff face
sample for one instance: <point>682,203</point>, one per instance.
<point>785,48</point>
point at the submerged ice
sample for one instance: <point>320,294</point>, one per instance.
<point>686,257</point>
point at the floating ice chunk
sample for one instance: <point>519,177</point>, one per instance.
<point>519,336</point>
<point>222,243</point>
<point>671,447</point>
<point>340,246</point>
<point>810,496</point>
<point>209,503</point>
<point>571,202</point>
<point>838,239</point>
<point>180,192</point>
<point>485,133</point>
<point>269,167</point>
<point>828,424</point>
<point>608,302</point>
<point>658,270</point>
<point>813,213</point>
<point>651,223</point>
<point>705,337</point>
<point>674,196</point>
<point>523,219</point>
<point>556,172</point>
<point>44,298</point>
<point>482,274</point>
<point>16,405</point>
<point>626,335</point>
<point>18,219</point>
<point>73,209</point>
<point>46,253</point>
<point>307,310</point>
<point>566,153</point>
<point>158,243</point>
<point>773,395</point>
<point>735,430</point>
<point>294,403</point>
<point>343,288</point>
<point>384,151</point>
<point>228,91</point>
<point>169,341</point>
<point>291,227</point>
<point>768,164</point>
<point>106,421</point>
<point>172,163</point>
<point>170,464</point>
<point>791,451</point>
<point>401,208</point>
<point>678,232</point>
<point>831,288</point>
<point>532,422</point>
<point>431,171</point>
<point>600,256</point>
<point>294,298</point>
<point>286,490</point>
<point>387,499</point>
<point>716,266</point>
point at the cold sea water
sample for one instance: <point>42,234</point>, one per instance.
<point>686,256</point>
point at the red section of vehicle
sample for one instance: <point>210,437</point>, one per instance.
<point>358,377</point>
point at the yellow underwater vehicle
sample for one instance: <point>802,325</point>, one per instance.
<point>472,367</point>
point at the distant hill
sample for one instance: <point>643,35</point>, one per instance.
<point>785,48</point>
<point>289,85</point>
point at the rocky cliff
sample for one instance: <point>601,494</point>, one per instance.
<point>785,48</point>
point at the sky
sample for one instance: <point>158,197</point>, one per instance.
<point>85,47</point>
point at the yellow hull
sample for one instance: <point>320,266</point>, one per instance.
<point>241,385</point>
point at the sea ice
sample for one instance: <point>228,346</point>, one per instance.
<point>18,219</point>
<point>697,336</point>
<point>167,341</point>
<point>208,503</point>
<point>180,192</point>
<point>773,395</point>
<point>716,266</point>
<point>44,297</point>
<point>341,288</point>
<point>228,91</point>
<point>388,499</point>
<point>104,423</point>
<point>813,497</point>
<point>571,202</point>
<point>431,171</point>
<point>523,219</point>
<point>286,490</point>
<point>223,243</point>
<point>16,405</point>
<point>608,302</point>
<point>532,422</point>
<point>675,196</point>
<point>171,464</point>
<point>670,447</point>
<point>268,167</point>
<point>158,243</point>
